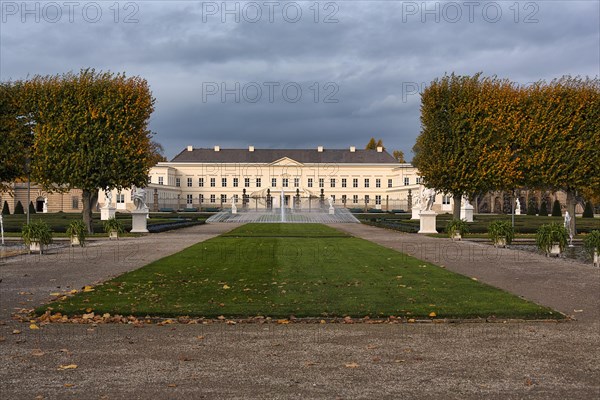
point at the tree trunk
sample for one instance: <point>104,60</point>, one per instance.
<point>87,210</point>
<point>571,204</point>
<point>456,210</point>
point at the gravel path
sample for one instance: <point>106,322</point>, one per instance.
<point>546,360</point>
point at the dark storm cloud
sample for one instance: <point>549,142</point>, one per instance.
<point>359,77</point>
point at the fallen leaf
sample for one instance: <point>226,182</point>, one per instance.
<point>88,289</point>
<point>577,310</point>
<point>69,366</point>
<point>475,279</point>
<point>432,314</point>
<point>55,294</point>
<point>34,326</point>
<point>226,287</point>
<point>69,384</point>
<point>351,365</point>
<point>200,337</point>
<point>283,321</point>
<point>37,352</point>
<point>412,320</point>
<point>2,338</point>
<point>73,291</point>
<point>16,332</point>
<point>172,385</point>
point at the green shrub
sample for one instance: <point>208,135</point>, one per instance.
<point>113,224</point>
<point>38,231</point>
<point>532,208</point>
<point>5,209</point>
<point>456,225</point>
<point>501,229</point>
<point>550,234</point>
<point>591,242</point>
<point>77,229</point>
<point>588,211</point>
<point>19,208</point>
<point>31,208</point>
<point>544,209</point>
<point>556,211</point>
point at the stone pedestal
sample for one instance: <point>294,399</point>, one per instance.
<point>331,210</point>
<point>107,213</point>
<point>415,213</point>
<point>233,209</point>
<point>466,213</point>
<point>428,222</point>
<point>139,223</point>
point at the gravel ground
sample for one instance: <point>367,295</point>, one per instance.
<point>533,360</point>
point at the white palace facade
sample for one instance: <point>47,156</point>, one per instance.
<point>207,179</point>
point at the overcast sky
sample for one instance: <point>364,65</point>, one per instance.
<point>277,74</point>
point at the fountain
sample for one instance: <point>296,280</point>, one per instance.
<point>295,214</point>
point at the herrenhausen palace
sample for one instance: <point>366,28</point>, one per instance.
<point>209,179</point>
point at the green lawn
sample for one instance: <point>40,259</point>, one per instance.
<point>306,270</point>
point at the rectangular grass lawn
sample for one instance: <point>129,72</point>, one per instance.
<point>305,270</point>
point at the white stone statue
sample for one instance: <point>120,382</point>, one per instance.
<point>330,200</point>
<point>568,228</point>
<point>108,195</point>
<point>427,199</point>
<point>518,208</point>
<point>233,206</point>
<point>139,198</point>
<point>45,207</point>
<point>465,201</point>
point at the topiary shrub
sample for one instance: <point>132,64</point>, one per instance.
<point>544,209</point>
<point>556,211</point>
<point>31,208</point>
<point>532,208</point>
<point>588,211</point>
<point>5,209</point>
<point>19,208</point>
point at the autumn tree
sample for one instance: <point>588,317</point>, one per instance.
<point>372,145</point>
<point>559,146</point>
<point>15,134</point>
<point>399,156</point>
<point>157,153</point>
<point>91,132</point>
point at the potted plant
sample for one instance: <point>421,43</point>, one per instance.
<point>501,232</point>
<point>113,227</point>
<point>551,238</point>
<point>77,232</point>
<point>36,235</point>
<point>592,245</point>
<point>456,228</point>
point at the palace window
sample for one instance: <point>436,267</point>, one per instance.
<point>366,199</point>
<point>190,199</point>
<point>285,182</point>
<point>389,183</point>
<point>236,182</point>
<point>223,182</point>
<point>200,182</point>
<point>161,180</point>
<point>213,198</point>
<point>321,182</point>
<point>378,183</point>
<point>296,182</point>
<point>332,182</point>
<point>213,182</point>
<point>446,200</point>
<point>246,182</point>
<point>355,182</point>
<point>344,199</point>
<point>419,180</point>
<point>189,182</point>
<point>378,199</point>
<point>273,182</point>
<point>355,199</point>
<point>75,203</point>
<point>235,198</point>
<point>310,182</point>
<point>343,182</point>
<point>223,198</point>
<point>201,199</point>
<point>406,181</point>
<point>258,182</point>
<point>120,198</point>
<point>333,198</point>
<point>178,182</point>
<point>366,182</point>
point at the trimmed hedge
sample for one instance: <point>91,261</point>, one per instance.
<point>556,211</point>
